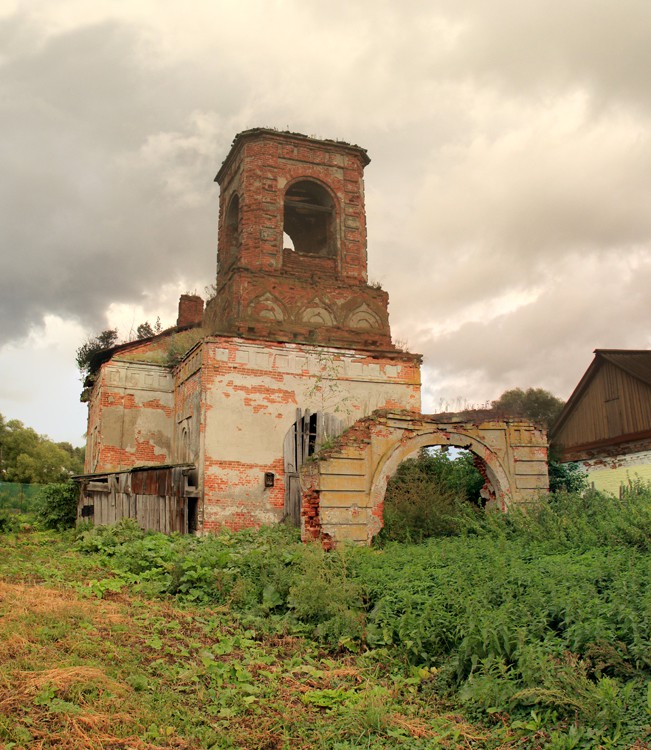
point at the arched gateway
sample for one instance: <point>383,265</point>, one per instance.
<point>343,488</point>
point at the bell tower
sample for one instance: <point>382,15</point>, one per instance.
<point>291,254</point>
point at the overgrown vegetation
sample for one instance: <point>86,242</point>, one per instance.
<point>56,506</point>
<point>29,458</point>
<point>527,630</point>
<point>427,493</point>
<point>92,346</point>
<point>171,351</point>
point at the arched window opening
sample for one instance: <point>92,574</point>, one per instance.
<point>185,444</point>
<point>232,229</point>
<point>309,219</point>
<point>430,491</point>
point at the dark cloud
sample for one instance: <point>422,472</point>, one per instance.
<point>99,201</point>
<point>507,195</point>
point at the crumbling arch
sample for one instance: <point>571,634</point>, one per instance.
<point>344,489</point>
<point>310,218</point>
<point>388,464</point>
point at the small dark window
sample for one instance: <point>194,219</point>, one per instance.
<point>310,219</point>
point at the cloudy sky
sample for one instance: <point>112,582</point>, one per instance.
<point>508,198</point>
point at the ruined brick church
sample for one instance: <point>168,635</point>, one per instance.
<point>206,424</point>
<point>285,398</point>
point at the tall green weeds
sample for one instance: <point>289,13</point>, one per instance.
<point>541,615</point>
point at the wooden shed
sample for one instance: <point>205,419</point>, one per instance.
<point>159,498</point>
<point>606,423</point>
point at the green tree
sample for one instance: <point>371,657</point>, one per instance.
<point>535,404</point>
<point>426,493</point>
<point>56,505</point>
<point>86,352</point>
<point>144,330</point>
<point>30,458</point>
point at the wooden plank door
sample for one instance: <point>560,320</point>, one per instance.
<point>304,438</point>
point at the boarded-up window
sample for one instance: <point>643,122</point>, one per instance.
<point>304,438</point>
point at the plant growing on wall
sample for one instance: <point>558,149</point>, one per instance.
<point>327,388</point>
<point>93,345</point>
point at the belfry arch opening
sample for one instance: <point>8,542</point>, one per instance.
<point>309,219</point>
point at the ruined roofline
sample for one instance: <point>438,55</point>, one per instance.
<point>104,355</point>
<point>465,415</point>
<point>287,135</point>
<point>396,354</point>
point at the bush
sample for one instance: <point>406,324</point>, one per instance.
<point>56,506</point>
<point>8,522</point>
<point>567,477</point>
<point>426,495</point>
<point>544,611</point>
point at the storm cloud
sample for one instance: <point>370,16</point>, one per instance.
<point>508,195</point>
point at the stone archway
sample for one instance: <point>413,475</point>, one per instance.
<point>389,463</point>
<point>343,489</point>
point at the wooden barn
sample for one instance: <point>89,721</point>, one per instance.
<point>158,498</point>
<point>606,423</point>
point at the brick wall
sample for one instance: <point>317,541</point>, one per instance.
<point>130,417</point>
<point>266,290</point>
<point>251,393</point>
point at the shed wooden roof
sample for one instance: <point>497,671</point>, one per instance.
<point>634,362</point>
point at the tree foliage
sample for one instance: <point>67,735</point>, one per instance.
<point>146,330</point>
<point>85,353</point>
<point>535,404</point>
<point>425,494</point>
<point>567,477</point>
<point>57,505</point>
<point>30,458</point>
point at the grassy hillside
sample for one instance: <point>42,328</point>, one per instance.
<point>525,631</point>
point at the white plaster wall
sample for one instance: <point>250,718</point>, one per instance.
<point>609,473</point>
<point>252,392</point>
<point>135,425</point>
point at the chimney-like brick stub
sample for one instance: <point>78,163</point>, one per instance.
<point>190,310</point>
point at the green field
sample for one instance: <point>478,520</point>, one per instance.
<point>524,631</point>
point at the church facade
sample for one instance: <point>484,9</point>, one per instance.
<point>207,424</point>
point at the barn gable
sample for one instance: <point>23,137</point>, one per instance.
<point>606,423</point>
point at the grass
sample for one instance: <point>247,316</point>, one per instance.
<point>526,631</point>
<point>84,668</point>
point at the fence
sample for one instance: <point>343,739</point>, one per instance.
<point>18,498</point>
